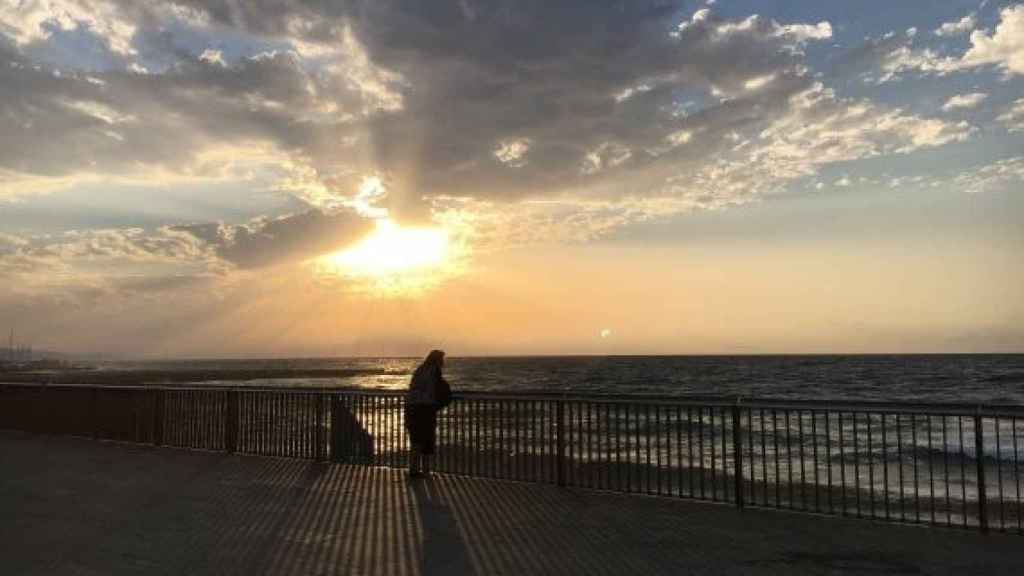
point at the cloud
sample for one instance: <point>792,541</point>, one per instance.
<point>962,26</point>
<point>1013,118</point>
<point>1003,48</point>
<point>960,101</point>
<point>1002,175</point>
<point>444,103</point>
<point>512,152</point>
<point>37,20</point>
<point>287,239</point>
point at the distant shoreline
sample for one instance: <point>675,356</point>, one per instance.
<point>135,377</point>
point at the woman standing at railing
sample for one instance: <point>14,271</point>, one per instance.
<point>428,393</point>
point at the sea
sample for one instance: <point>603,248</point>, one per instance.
<point>960,378</point>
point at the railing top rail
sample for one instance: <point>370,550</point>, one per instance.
<point>835,405</point>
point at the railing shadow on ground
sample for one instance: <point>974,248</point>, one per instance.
<point>122,508</point>
<point>373,520</point>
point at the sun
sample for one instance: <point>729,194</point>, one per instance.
<point>392,249</point>
<point>394,259</point>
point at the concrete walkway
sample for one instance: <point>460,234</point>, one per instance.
<point>74,506</point>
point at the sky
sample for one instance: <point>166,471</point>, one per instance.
<point>201,178</point>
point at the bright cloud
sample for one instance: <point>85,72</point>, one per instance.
<point>512,152</point>
<point>962,26</point>
<point>1002,48</point>
<point>960,101</point>
<point>25,22</point>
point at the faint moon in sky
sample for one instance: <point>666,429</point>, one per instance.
<point>606,333</point>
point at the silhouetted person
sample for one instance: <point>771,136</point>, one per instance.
<point>428,393</point>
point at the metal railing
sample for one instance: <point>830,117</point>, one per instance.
<point>950,465</point>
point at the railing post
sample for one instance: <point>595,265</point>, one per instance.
<point>158,417</point>
<point>737,455</point>
<point>979,453</point>
<point>231,423</point>
<point>560,440</point>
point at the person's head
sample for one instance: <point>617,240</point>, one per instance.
<point>435,358</point>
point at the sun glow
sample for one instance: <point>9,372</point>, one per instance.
<point>393,260</point>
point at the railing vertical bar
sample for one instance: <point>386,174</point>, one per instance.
<point>828,460</point>
<point>629,450</point>
<point>789,462</point>
<point>817,464</point>
<point>803,472</point>
<point>282,424</point>
<point>247,407</point>
<point>657,448</point>
<point>899,466</point>
<point>618,447</point>
<point>458,423</point>
<point>535,442</point>
<point>181,398</point>
<point>190,415</point>
<point>493,438</point>
<point>979,458</point>
<point>689,449</point>
<point>647,442</point>
<point>871,467</point>
<point>549,465</point>
<point>253,422</point>
<point>590,444</point>
<point>502,459</point>
<point>764,459</point>
<point>475,444</point>
<point>856,463</point>
<point>634,443</point>
<point>469,443</point>
<point>750,454</point>
<point>1016,475</point>
<point>725,455</point>
<point>885,466</point>
<point>931,469</point>
<point>999,474</point>
<point>607,454</point>
<point>842,464</point>
<point>679,466</point>
<point>266,414</point>
<point>580,442</point>
<point>700,444</point>
<point>560,439</point>
<point>775,451</point>
<point>917,452</point>
<point>268,422</point>
<point>516,447</point>
<point>737,454</point>
<point>963,470</point>
<point>293,422</point>
<point>945,459</point>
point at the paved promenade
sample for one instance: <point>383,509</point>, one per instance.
<point>78,507</point>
